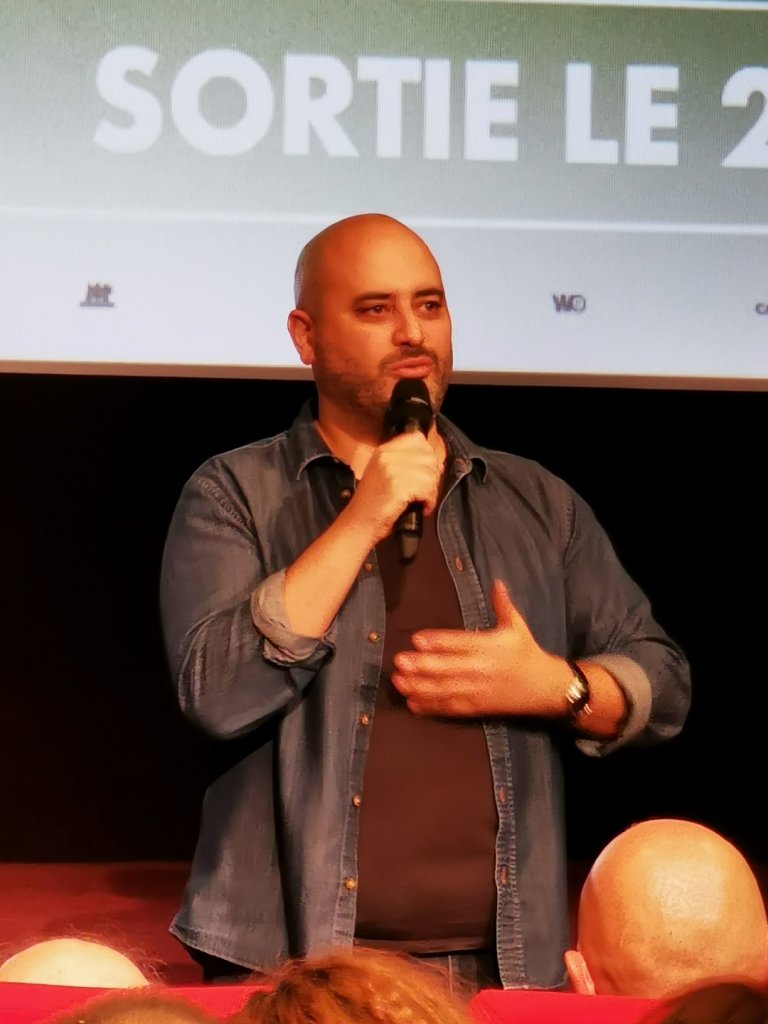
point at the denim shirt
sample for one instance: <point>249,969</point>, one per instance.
<point>274,872</point>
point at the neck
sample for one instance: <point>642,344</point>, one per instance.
<point>348,442</point>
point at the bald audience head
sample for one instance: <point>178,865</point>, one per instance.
<point>668,904</point>
<point>72,962</point>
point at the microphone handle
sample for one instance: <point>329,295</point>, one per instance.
<point>410,522</point>
<point>408,529</point>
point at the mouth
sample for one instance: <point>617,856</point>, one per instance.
<point>417,366</point>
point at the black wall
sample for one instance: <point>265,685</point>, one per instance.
<point>96,762</point>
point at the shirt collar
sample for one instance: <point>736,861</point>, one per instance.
<point>306,446</point>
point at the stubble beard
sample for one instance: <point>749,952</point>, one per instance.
<point>365,400</point>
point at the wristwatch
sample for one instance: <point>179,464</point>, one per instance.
<point>578,693</point>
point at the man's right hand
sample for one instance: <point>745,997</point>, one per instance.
<point>400,471</point>
<point>404,469</point>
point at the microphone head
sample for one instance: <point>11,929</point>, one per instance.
<point>407,388</point>
<point>410,407</point>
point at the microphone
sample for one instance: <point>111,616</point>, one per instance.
<point>409,409</point>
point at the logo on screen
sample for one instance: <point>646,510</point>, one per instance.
<point>762,309</point>
<point>569,303</point>
<point>97,297</point>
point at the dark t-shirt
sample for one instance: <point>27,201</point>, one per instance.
<point>426,849</point>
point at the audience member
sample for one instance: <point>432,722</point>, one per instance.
<point>135,1008</point>
<point>668,904</point>
<point>71,961</point>
<point>357,986</point>
<point>720,1003</point>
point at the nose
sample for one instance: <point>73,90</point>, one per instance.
<point>408,327</point>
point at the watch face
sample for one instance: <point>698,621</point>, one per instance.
<point>577,693</point>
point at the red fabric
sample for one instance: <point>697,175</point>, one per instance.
<point>527,1007</point>
<point>32,1004</point>
<point>127,906</point>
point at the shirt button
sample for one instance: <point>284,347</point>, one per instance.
<point>365,719</point>
<point>459,564</point>
<point>373,637</point>
<point>502,794</point>
<point>357,800</point>
<point>368,566</point>
<point>346,494</point>
<point>350,884</point>
<point>503,876</point>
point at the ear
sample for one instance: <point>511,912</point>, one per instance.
<point>300,330</point>
<point>578,973</point>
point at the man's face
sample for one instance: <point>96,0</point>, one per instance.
<point>378,313</point>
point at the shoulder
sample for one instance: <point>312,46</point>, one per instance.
<point>506,470</point>
<point>246,463</point>
<point>243,482</point>
<point>274,463</point>
<point>246,458</point>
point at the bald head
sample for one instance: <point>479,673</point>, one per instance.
<point>369,298</point>
<point>72,962</point>
<point>345,244</point>
<point>669,904</point>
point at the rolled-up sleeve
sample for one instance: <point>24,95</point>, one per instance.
<point>611,624</point>
<point>226,678</point>
<point>281,645</point>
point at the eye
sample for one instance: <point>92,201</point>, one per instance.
<point>379,307</point>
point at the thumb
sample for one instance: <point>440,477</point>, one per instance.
<point>506,613</point>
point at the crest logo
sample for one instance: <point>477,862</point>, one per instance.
<point>98,297</point>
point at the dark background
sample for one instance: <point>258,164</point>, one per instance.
<point>96,762</point>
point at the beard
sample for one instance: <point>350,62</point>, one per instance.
<point>344,384</point>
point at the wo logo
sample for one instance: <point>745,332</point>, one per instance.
<point>569,303</point>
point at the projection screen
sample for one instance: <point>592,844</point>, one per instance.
<point>592,178</point>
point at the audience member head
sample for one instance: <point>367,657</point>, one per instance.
<point>668,904</point>
<point>720,1003</point>
<point>357,986</point>
<point>135,1008</point>
<point>72,961</point>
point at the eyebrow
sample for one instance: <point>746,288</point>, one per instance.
<point>422,293</point>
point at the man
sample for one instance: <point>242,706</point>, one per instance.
<point>396,782</point>
<point>668,905</point>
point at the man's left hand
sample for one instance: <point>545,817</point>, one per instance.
<point>500,671</point>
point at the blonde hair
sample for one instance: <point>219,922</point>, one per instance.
<point>136,1008</point>
<point>357,986</point>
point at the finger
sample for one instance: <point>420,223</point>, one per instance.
<point>431,503</point>
<point>436,665</point>
<point>441,707</point>
<point>436,690</point>
<point>422,707</point>
<point>409,441</point>
<point>423,687</point>
<point>445,641</point>
<point>506,612</point>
